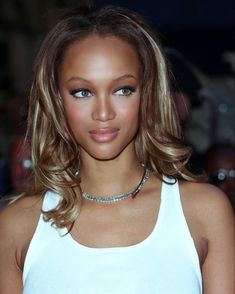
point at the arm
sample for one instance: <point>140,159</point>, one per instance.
<point>17,224</point>
<point>219,267</point>
<point>10,271</point>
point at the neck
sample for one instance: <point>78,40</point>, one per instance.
<point>110,177</point>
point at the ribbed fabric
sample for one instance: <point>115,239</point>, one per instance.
<point>166,262</point>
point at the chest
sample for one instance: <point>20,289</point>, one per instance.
<point>134,248</point>
<point>119,262</point>
<point>115,226</point>
<point>112,227</point>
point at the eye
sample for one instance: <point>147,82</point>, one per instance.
<point>125,91</point>
<point>81,93</point>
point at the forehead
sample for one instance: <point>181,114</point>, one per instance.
<point>96,49</point>
<point>101,41</point>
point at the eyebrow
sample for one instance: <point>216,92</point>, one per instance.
<point>126,76</point>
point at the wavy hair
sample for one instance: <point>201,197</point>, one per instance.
<point>55,152</point>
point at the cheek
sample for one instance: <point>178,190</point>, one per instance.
<point>76,122</point>
<point>71,114</point>
<point>75,119</point>
<point>131,113</point>
<point>74,113</point>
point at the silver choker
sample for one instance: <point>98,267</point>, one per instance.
<point>112,199</point>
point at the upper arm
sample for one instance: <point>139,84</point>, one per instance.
<point>17,225</point>
<point>10,272</point>
<point>218,268</point>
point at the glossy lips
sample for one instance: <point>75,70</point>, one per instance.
<point>104,135</point>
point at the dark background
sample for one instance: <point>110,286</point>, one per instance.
<point>200,29</point>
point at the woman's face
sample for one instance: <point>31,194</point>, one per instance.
<point>99,80</point>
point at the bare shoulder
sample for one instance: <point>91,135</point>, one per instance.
<point>205,198</point>
<point>211,221</point>
<point>21,212</point>
<point>18,222</point>
<point>17,225</point>
<point>208,205</point>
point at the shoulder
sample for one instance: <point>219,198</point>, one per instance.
<point>208,205</point>
<point>21,212</point>
<point>17,225</point>
<point>210,218</point>
<point>205,196</point>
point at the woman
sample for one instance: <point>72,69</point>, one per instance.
<point>114,208</point>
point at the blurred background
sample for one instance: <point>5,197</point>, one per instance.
<point>199,40</point>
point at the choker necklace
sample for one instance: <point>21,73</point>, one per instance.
<point>112,199</point>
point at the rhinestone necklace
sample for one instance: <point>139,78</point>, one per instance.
<point>112,199</point>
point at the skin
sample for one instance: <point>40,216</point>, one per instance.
<point>104,171</point>
<point>103,115</point>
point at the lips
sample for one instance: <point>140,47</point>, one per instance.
<point>104,135</point>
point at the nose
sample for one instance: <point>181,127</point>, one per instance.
<point>104,109</point>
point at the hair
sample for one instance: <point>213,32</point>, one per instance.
<point>55,152</point>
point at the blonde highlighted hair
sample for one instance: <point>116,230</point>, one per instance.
<point>55,152</point>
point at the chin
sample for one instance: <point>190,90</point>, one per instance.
<point>105,156</point>
<point>107,152</point>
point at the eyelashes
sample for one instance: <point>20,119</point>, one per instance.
<point>80,93</point>
<point>124,91</point>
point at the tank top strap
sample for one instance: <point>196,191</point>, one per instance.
<point>175,221</point>
<point>51,199</point>
<point>171,195</point>
<point>173,209</point>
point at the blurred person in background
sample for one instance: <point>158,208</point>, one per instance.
<point>219,163</point>
<point>186,87</point>
<point>186,91</point>
<point>20,164</point>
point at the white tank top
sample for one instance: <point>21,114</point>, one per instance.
<point>166,262</point>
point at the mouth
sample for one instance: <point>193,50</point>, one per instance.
<point>104,135</point>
